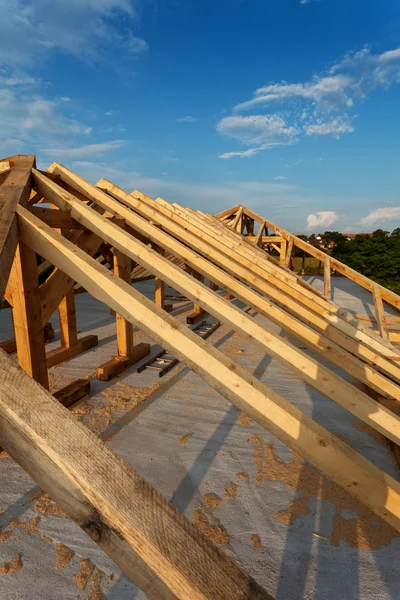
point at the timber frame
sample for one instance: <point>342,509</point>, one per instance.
<point>101,239</point>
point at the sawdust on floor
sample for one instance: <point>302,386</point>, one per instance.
<point>365,531</point>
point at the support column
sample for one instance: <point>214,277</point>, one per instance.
<point>128,354</point>
<point>198,313</point>
<point>27,315</point>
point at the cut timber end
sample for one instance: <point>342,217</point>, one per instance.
<point>118,364</point>
<point>58,355</point>
<point>72,392</point>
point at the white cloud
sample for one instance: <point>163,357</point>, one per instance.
<point>323,105</point>
<point>188,119</point>
<point>324,218</point>
<point>31,29</point>
<point>381,215</point>
<point>242,154</point>
<point>110,113</point>
<point>258,129</point>
<point>279,178</point>
<point>84,151</point>
<point>336,127</point>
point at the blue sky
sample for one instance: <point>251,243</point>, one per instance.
<point>290,107</point>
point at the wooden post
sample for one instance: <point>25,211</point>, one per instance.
<point>128,354</point>
<point>289,251</point>
<point>122,268</point>
<point>282,257</point>
<point>260,234</point>
<point>198,313</point>
<point>327,277</point>
<point>380,312</point>
<point>27,314</point>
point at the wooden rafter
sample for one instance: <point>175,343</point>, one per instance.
<point>336,459</point>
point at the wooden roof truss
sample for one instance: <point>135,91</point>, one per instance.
<point>96,237</point>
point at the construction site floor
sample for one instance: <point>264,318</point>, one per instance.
<point>297,533</point>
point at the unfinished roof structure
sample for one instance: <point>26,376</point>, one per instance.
<point>101,239</point>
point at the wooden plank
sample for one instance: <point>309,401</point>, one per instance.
<point>362,280</point>
<point>327,277</point>
<point>237,222</point>
<point>59,219</point>
<point>27,315</point>
<point>152,212</point>
<point>282,252</point>
<point>258,237</point>
<point>361,478</point>
<point>289,251</point>
<point>67,317</point>
<point>148,539</point>
<point>61,354</point>
<point>123,269</point>
<point>71,393</point>
<point>9,346</point>
<point>380,312</point>
<point>315,373</point>
<point>180,232</point>
<point>283,280</point>
<point>13,191</point>
<point>117,365</point>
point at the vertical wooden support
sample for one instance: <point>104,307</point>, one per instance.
<point>198,312</point>
<point>380,313</point>
<point>128,354</point>
<point>303,263</point>
<point>238,222</point>
<point>27,315</point>
<point>122,268</point>
<point>282,257</point>
<point>289,251</point>
<point>67,315</point>
<point>159,289</point>
<point>260,234</point>
<point>327,278</point>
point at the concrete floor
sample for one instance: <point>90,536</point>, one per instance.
<point>296,532</point>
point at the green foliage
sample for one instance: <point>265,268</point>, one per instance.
<point>377,257</point>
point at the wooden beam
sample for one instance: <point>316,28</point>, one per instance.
<point>387,295</point>
<point>71,393</point>
<point>13,191</point>
<point>123,269</point>
<point>361,478</point>
<point>279,278</point>
<point>315,373</point>
<point>380,312</point>
<point>59,219</point>
<point>258,237</point>
<point>289,251</point>
<point>282,252</point>
<point>152,212</point>
<point>327,277</point>
<point>27,315</point>
<point>149,540</point>
<point>63,353</point>
<point>117,365</point>
<point>338,355</point>
<point>237,222</point>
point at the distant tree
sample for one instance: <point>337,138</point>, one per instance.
<point>396,231</point>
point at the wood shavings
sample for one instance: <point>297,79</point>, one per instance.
<point>211,501</point>
<point>63,556</point>
<point>365,531</point>
<point>12,567</point>
<point>231,490</point>
<point>214,532</point>
<point>185,438</point>
<point>256,541</point>
<point>242,476</point>
<point>84,573</point>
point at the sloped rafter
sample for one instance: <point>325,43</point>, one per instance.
<point>336,459</point>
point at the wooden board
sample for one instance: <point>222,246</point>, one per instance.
<point>158,548</point>
<point>325,451</point>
